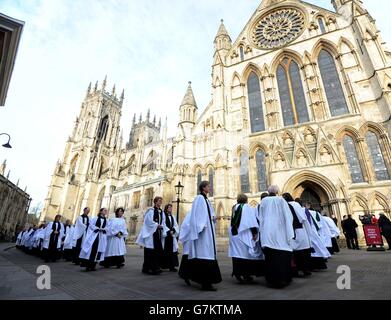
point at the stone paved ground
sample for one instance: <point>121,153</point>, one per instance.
<point>371,279</point>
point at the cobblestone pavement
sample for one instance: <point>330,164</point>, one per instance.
<point>371,279</point>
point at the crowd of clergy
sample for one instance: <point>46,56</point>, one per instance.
<point>280,239</point>
<point>88,242</point>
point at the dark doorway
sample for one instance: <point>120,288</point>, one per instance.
<point>310,195</point>
<point>309,191</point>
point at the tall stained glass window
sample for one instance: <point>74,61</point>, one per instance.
<point>353,160</point>
<point>377,158</point>
<point>255,103</point>
<point>332,84</point>
<point>292,98</point>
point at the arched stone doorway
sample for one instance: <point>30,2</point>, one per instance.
<point>315,188</point>
<point>309,191</point>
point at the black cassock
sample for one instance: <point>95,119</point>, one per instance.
<point>52,253</point>
<point>90,264</point>
<point>170,258</point>
<point>153,257</point>
<point>76,250</point>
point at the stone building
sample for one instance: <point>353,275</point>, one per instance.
<point>10,34</point>
<point>14,205</point>
<point>300,99</point>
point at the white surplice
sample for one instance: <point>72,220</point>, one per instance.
<point>243,245</point>
<point>202,239</point>
<point>276,224</point>
<point>115,244</point>
<point>334,230</point>
<point>175,235</point>
<point>184,234</point>
<point>80,230</point>
<point>92,233</point>
<point>49,231</point>
<point>324,230</point>
<point>317,244</point>
<point>145,237</point>
<point>302,239</point>
<point>68,241</point>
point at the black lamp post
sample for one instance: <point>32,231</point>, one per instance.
<point>6,145</point>
<point>179,190</point>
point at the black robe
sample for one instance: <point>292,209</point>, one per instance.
<point>153,257</point>
<point>169,258</point>
<point>52,253</point>
<point>90,264</point>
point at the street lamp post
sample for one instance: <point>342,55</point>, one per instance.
<point>179,189</point>
<point>6,145</point>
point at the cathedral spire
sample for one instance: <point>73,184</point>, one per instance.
<point>148,115</point>
<point>222,30</point>
<point>141,118</point>
<point>222,40</point>
<point>113,91</point>
<point>3,167</point>
<point>122,95</point>
<point>104,83</point>
<point>96,86</point>
<point>134,120</point>
<point>189,99</point>
<point>89,89</point>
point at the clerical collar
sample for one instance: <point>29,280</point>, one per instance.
<point>272,195</point>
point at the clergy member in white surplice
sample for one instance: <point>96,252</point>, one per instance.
<point>301,244</point>
<point>152,236</point>
<point>319,253</point>
<point>184,238</point>
<point>276,228</point>
<point>334,231</point>
<point>20,237</point>
<point>94,246</point>
<point>202,263</point>
<point>52,240</point>
<point>170,249</point>
<point>116,237</point>
<point>244,246</point>
<point>81,227</point>
<point>323,229</point>
<point>67,249</point>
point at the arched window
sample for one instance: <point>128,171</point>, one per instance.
<point>244,176</point>
<point>332,84</point>
<point>211,175</point>
<point>290,87</point>
<point>199,180</point>
<point>377,158</point>
<point>261,170</point>
<point>255,103</point>
<point>102,131</point>
<point>241,52</point>
<point>170,158</point>
<point>321,25</point>
<point>353,159</point>
<point>151,161</point>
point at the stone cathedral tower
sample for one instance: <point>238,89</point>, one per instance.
<point>300,99</point>
<point>90,155</point>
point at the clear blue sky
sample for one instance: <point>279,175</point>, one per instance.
<point>152,48</point>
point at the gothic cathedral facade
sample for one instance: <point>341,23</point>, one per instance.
<point>302,99</point>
